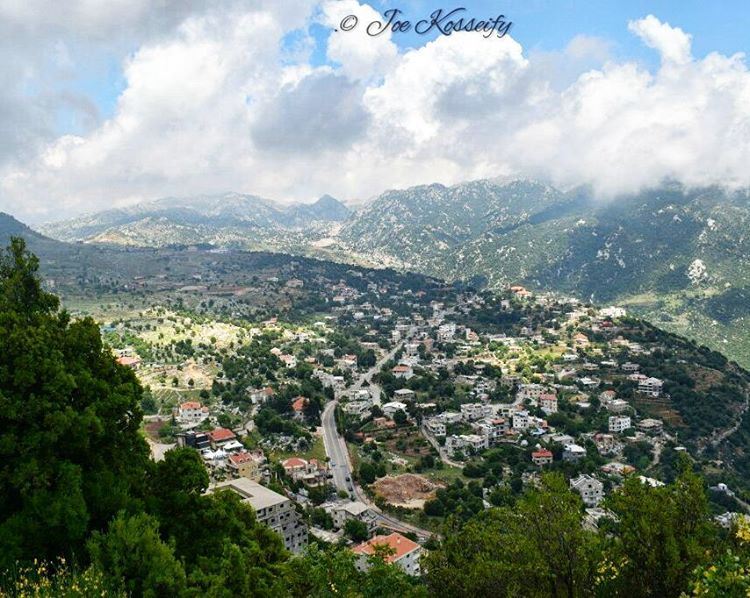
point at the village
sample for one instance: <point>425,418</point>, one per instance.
<point>372,419</point>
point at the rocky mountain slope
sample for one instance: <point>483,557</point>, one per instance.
<point>228,220</point>
<point>680,257</point>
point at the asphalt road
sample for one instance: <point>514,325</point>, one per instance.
<point>341,468</point>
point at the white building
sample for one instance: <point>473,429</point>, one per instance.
<point>573,452</point>
<point>353,510</point>
<point>548,403</point>
<point>590,489</point>
<point>191,412</point>
<point>475,411</point>
<point>390,408</point>
<point>530,391</point>
<point>436,427</point>
<point>402,552</point>
<point>466,441</point>
<point>651,387</point>
<point>521,420</point>
<point>619,423</point>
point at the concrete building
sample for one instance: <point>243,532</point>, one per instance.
<point>619,423</point>
<point>403,552</point>
<point>590,489</point>
<point>271,509</point>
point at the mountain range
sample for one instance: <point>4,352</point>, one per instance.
<point>679,257</point>
<point>231,220</point>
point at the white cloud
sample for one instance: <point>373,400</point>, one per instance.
<point>220,102</point>
<point>671,42</point>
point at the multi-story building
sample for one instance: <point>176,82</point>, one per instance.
<point>271,509</point>
<point>247,464</point>
<point>590,489</point>
<point>651,387</point>
<point>191,412</point>
<point>402,552</point>
<point>619,423</point>
<point>548,403</point>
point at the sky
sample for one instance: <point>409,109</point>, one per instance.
<point>107,103</point>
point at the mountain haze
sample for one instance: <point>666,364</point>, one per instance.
<point>677,256</point>
<point>228,220</point>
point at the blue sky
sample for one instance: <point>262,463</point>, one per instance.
<point>238,95</point>
<point>539,25</point>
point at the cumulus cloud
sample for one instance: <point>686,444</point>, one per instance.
<point>218,101</point>
<point>672,42</point>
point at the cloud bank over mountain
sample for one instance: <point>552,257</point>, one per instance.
<point>233,96</point>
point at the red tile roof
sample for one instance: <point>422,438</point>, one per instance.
<point>398,544</point>
<point>128,361</point>
<point>293,462</point>
<point>242,458</point>
<point>190,405</point>
<point>299,403</point>
<point>541,454</point>
<point>220,434</point>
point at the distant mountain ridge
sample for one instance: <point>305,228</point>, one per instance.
<point>680,257</point>
<point>223,219</point>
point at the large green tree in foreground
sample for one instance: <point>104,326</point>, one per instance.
<point>71,455</point>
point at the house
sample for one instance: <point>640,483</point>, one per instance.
<point>617,406</point>
<point>403,371</point>
<point>349,361</point>
<point>404,394</point>
<point>129,361</point>
<point>358,408</point>
<point>191,412</point>
<point>521,420</point>
<point>580,340</point>
<point>193,439</point>
<point>221,436</point>
<point>473,442</point>
<point>390,408</point>
<point>475,411</point>
<point>530,391</point>
<point>354,510</point>
<point>573,452</point>
<point>400,551</point>
<point>289,361</point>
<point>311,472</point>
<point>493,429</point>
<point>260,396</point>
<point>271,509</point>
<point>446,332</point>
<point>606,444</point>
<point>298,406</point>
<point>247,464</point>
<point>651,387</point>
<point>619,423</point>
<point>617,468</point>
<point>590,489</point>
<point>630,367</point>
<point>548,403</point>
<point>651,426</point>
<point>436,427</point>
<point>542,457</point>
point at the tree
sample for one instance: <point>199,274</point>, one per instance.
<point>132,556</point>
<point>356,530</point>
<point>537,549</point>
<point>661,535</point>
<point>71,455</point>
